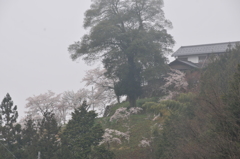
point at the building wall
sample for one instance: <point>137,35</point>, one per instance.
<point>180,66</point>
<point>193,59</point>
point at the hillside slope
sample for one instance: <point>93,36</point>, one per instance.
<point>200,124</point>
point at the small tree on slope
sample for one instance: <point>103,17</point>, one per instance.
<point>81,134</point>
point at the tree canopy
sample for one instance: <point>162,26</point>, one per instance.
<point>130,38</point>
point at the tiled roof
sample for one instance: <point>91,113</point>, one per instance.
<point>204,49</point>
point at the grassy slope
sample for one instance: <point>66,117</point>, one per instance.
<point>139,126</point>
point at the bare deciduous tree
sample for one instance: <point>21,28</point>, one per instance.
<point>102,92</point>
<point>48,102</point>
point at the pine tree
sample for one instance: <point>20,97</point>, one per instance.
<point>82,134</point>
<point>9,130</point>
<point>30,139</point>
<point>48,144</point>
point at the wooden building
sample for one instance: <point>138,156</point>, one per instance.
<point>197,56</point>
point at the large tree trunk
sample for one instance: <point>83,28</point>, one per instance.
<point>118,99</point>
<point>132,101</point>
<point>134,84</point>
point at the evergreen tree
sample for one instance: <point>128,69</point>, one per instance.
<point>9,130</point>
<point>48,143</point>
<point>30,139</point>
<point>82,134</point>
<point>100,152</point>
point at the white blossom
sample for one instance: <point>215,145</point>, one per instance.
<point>156,117</point>
<point>102,90</point>
<point>135,110</point>
<point>114,136</point>
<point>123,113</point>
<point>174,82</point>
<point>176,79</point>
<point>120,113</point>
<point>144,143</point>
<point>74,100</point>
<point>116,140</point>
<point>49,101</point>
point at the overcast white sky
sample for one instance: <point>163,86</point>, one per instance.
<point>35,35</point>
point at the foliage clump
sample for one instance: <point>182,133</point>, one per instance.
<point>131,40</point>
<point>208,124</point>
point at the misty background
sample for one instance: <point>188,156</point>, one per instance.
<point>35,35</point>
